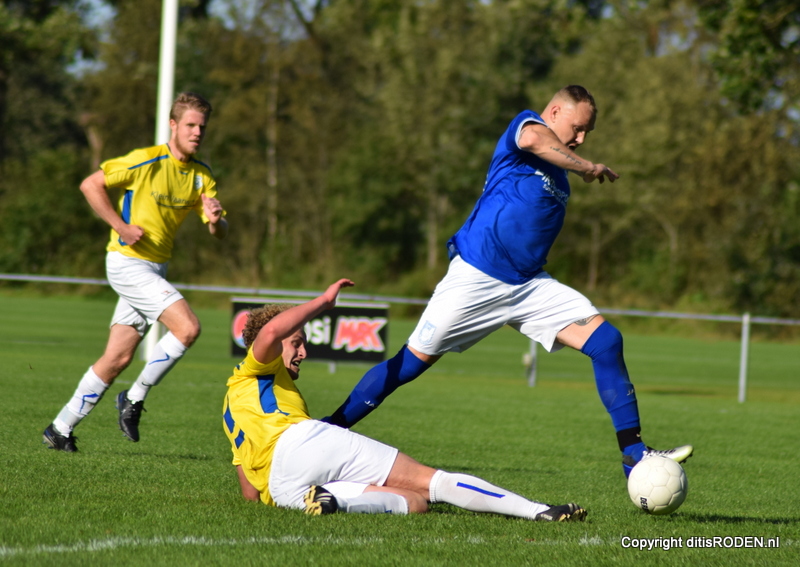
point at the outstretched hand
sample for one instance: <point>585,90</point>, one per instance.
<point>600,172</point>
<point>333,290</point>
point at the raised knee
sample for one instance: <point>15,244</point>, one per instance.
<point>194,333</point>
<point>606,337</point>
<point>188,334</point>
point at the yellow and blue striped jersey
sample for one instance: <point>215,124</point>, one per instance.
<point>261,403</point>
<point>158,192</point>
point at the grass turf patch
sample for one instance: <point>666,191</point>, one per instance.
<point>172,499</point>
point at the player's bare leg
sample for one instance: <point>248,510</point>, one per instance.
<point>428,359</point>
<point>184,328</point>
<point>119,351</point>
<point>181,322</point>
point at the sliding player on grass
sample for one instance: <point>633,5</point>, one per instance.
<point>284,458</point>
<point>496,275</point>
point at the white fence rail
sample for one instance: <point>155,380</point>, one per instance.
<point>746,319</point>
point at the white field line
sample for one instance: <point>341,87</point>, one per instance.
<point>96,545</point>
<point>200,541</point>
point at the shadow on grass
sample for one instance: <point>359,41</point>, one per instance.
<point>682,392</point>
<point>717,519</point>
<point>170,456</point>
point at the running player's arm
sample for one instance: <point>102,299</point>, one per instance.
<point>268,344</point>
<point>96,192</point>
<point>217,225</point>
<point>541,141</point>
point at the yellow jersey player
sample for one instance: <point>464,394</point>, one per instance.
<point>160,186</point>
<point>284,458</point>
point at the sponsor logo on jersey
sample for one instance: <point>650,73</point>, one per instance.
<point>166,200</point>
<point>549,185</point>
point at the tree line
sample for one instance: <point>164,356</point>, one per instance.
<point>351,137</point>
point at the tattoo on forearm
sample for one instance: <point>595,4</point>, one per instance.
<point>584,322</point>
<point>566,155</point>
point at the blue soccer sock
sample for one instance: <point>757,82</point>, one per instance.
<point>377,383</point>
<point>617,393</point>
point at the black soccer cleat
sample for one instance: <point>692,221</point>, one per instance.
<point>565,513</point>
<point>319,501</point>
<point>54,440</point>
<point>129,415</point>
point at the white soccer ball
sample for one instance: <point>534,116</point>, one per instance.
<point>658,485</point>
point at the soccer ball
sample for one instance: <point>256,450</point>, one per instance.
<point>657,485</point>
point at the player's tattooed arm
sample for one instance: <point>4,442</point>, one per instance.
<point>586,321</point>
<point>542,142</point>
<point>578,165</point>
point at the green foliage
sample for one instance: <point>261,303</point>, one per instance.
<point>45,224</point>
<point>41,206</point>
<point>353,137</point>
<point>121,98</point>
<point>757,50</point>
<point>37,96</point>
<point>703,190</point>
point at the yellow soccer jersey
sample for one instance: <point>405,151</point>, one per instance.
<point>158,192</point>
<point>262,401</point>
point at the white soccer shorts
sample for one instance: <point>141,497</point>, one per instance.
<point>316,453</point>
<point>143,291</point>
<point>468,305</point>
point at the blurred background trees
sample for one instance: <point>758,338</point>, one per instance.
<point>352,137</point>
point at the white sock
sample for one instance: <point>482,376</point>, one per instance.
<point>472,493</point>
<point>90,390</point>
<point>168,351</point>
<point>374,503</point>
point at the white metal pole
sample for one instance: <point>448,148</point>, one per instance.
<point>743,357</point>
<point>166,68</point>
<point>166,88</point>
<point>531,361</point>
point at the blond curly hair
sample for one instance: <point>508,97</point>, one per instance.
<point>259,317</point>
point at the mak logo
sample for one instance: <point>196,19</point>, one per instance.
<point>359,333</point>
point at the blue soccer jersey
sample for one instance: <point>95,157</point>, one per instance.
<point>519,214</point>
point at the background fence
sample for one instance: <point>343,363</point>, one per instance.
<point>746,320</point>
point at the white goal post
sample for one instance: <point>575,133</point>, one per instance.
<point>166,92</point>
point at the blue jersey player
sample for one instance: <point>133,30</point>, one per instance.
<point>496,275</point>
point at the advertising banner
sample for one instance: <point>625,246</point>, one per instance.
<point>350,332</point>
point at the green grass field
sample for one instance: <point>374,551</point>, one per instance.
<point>173,498</point>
